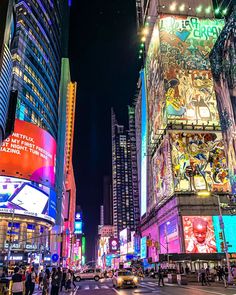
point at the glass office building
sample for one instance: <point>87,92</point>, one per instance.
<point>36,54</point>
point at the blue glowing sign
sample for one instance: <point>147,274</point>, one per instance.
<point>143,145</point>
<point>143,249</point>
<point>78,227</point>
<point>229,228</point>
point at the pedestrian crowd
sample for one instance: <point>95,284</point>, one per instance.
<point>23,282</point>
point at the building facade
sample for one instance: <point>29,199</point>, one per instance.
<point>180,140</point>
<point>123,190</point>
<point>28,182</point>
<point>6,36</point>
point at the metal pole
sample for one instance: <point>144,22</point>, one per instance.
<point>224,239</point>
<point>10,240</point>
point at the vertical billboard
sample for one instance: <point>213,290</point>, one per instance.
<point>169,236</point>
<point>162,178</point>
<point>185,46</point>
<point>29,153</point>
<point>230,232</point>
<point>143,248</point>
<point>124,241</point>
<point>199,162</point>
<point>143,145</point>
<point>199,234</point>
<point>223,62</point>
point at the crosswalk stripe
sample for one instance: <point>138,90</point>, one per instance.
<point>86,288</point>
<point>96,287</point>
<point>105,287</point>
<point>146,286</point>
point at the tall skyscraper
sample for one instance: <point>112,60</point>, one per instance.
<point>7,28</point>
<point>28,156</point>
<point>122,179</point>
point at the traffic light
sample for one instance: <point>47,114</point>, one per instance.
<point>222,246</point>
<point>149,243</point>
<point>221,235</point>
<point>157,245</point>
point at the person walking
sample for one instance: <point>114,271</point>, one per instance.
<point>56,281</point>
<point>17,283</point>
<point>208,276</point>
<point>225,274</point>
<point>68,280</point>
<point>160,276</point>
<point>46,280</point>
<point>63,281</point>
<point>203,276</point>
<point>73,278</point>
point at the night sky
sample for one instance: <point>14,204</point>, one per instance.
<point>104,61</point>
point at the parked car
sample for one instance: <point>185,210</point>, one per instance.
<point>89,274</point>
<point>125,278</point>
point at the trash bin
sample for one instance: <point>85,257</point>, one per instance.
<point>172,278</point>
<point>182,279</point>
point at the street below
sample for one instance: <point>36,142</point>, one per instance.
<point>147,286</point>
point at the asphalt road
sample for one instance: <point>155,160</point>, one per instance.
<point>147,286</point>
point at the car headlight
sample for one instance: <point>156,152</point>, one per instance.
<point>135,279</point>
<point>119,280</point>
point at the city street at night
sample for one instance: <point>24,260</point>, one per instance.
<point>148,286</point>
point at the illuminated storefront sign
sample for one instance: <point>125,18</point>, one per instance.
<point>27,197</point>
<point>78,227</point>
<point>143,146</point>
<point>143,250</point>
<point>29,153</point>
<point>199,234</point>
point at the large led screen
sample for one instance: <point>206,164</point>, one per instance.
<point>143,248</point>
<point>144,133</point>
<point>124,242</point>
<point>29,153</point>
<point>26,197</point>
<point>224,74</point>
<point>169,236</point>
<point>163,185</point>
<point>199,162</point>
<point>230,232</point>
<point>199,234</point>
<point>185,46</point>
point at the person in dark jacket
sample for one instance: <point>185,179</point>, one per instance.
<point>63,281</point>
<point>160,276</point>
<point>56,281</point>
<point>17,284</point>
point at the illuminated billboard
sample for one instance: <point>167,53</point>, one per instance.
<point>199,234</point>
<point>124,242</point>
<point>163,185</point>
<point>223,69</point>
<point>26,197</point>
<point>143,248</point>
<point>169,236</point>
<point>78,227</point>
<point>199,162</point>
<point>29,153</point>
<point>185,46</point>
<point>229,228</point>
<point>144,133</point>
<point>113,245</point>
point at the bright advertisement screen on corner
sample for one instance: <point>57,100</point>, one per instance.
<point>29,153</point>
<point>26,196</point>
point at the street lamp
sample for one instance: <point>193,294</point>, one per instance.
<point>206,194</point>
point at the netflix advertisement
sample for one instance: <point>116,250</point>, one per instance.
<point>29,153</point>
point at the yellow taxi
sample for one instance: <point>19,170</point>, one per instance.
<point>125,278</point>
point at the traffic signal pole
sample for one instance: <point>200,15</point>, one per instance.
<point>224,239</point>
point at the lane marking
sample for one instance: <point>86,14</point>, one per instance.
<point>116,291</point>
<point>96,287</point>
<point>147,287</point>
<point>104,287</point>
<point>86,288</point>
<point>76,289</point>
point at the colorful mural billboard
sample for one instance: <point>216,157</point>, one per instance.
<point>29,153</point>
<point>223,61</point>
<point>199,234</point>
<point>185,46</point>
<point>199,162</point>
<point>169,236</point>
<point>163,185</point>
